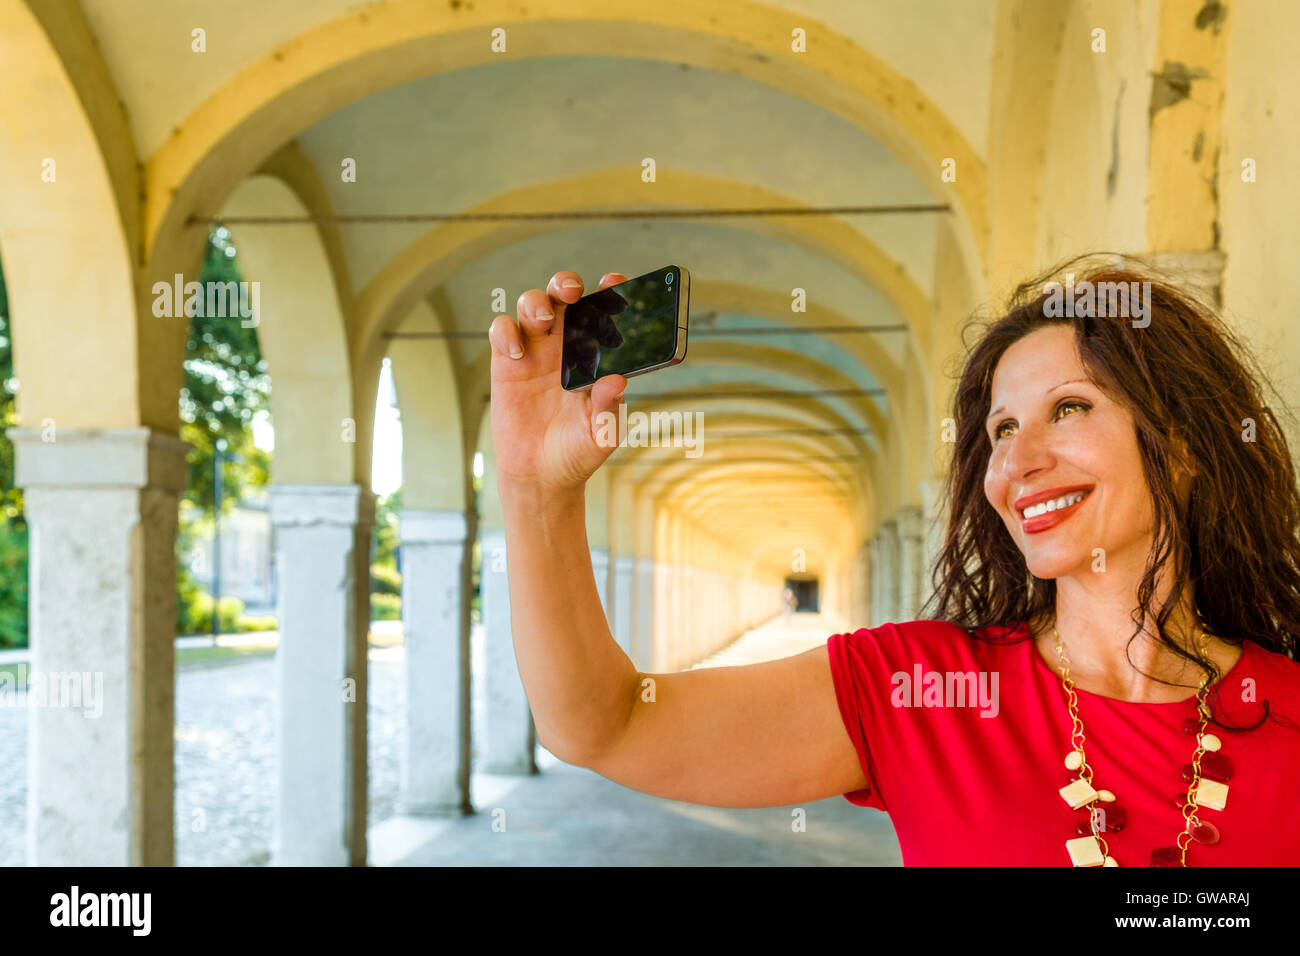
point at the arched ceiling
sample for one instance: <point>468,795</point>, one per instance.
<point>713,252</point>
<point>432,136</point>
<point>563,117</point>
<point>147,46</point>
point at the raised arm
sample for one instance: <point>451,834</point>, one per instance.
<point>764,735</point>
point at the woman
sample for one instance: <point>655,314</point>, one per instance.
<point>1111,678</point>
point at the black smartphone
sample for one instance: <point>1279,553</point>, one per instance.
<point>627,329</point>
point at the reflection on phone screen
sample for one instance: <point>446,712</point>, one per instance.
<point>619,330</point>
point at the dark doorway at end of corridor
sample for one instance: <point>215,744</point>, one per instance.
<point>805,592</point>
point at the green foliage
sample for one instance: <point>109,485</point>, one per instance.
<point>386,536</point>
<point>197,618</point>
<point>187,586</point>
<point>13,529</point>
<point>385,607</point>
<point>260,622</point>
<point>11,499</point>
<point>385,579</point>
<point>226,386</point>
<point>13,584</point>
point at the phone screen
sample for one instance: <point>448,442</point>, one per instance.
<point>626,329</point>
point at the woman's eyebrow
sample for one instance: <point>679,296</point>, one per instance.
<point>1073,381</point>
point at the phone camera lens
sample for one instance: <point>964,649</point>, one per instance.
<point>669,278</point>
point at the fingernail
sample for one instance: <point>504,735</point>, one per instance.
<point>544,317</point>
<point>570,284</point>
<point>516,352</point>
<point>619,397</point>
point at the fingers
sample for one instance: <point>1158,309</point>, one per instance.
<point>541,312</point>
<point>606,394</point>
<point>538,313</point>
<point>504,336</point>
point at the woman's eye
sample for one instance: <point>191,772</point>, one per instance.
<point>1001,430</point>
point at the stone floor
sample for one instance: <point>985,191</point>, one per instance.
<point>225,752</point>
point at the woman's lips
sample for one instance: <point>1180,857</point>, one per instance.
<point>1050,519</point>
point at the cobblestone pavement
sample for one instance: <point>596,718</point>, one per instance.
<point>225,787</point>
<point>13,785</point>
<point>225,760</point>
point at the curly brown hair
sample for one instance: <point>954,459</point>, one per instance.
<point>1197,399</point>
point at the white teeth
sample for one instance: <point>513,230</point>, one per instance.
<point>1064,501</point>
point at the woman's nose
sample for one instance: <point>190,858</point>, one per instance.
<point>1027,452</point>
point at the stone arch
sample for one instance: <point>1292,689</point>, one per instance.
<point>301,331</point>
<point>360,54</point>
<point>435,470</point>
<point>53,112</point>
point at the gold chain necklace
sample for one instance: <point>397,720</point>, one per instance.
<point>1091,850</point>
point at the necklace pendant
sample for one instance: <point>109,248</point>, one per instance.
<point>1078,794</point>
<point>1206,833</point>
<point>1111,818</point>
<point>1214,766</point>
<point>1085,851</point>
<point>1167,856</point>
<point>1211,794</point>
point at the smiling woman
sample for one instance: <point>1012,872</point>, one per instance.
<point>1121,570</point>
<point>1128,511</point>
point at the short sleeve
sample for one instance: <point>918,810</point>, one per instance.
<point>850,672</point>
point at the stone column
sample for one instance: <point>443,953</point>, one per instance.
<point>101,508</point>
<point>891,567</point>
<point>643,615</point>
<point>322,541</point>
<point>510,734</point>
<point>876,578</point>
<point>911,564</point>
<point>860,588</point>
<point>624,583</point>
<point>886,594</point>
<point>435,764</point>
<point>934,519</point>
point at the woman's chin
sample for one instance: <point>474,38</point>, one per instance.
<point>1057,565</point>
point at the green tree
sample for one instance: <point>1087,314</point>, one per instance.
<point>226,386</point>
<point>11,499</point>
<point>385,580</point>
<point>13,528</point>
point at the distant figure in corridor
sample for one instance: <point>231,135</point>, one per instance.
<point>789,601</point>
<point>1106,674</point>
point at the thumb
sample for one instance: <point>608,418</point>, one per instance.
<point>606,394</point>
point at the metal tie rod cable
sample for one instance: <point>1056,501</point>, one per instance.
<point>618,463</point>
<point>757,393</point>
<point>604,214</point>
<point>761,393</point>
<point>694,333</point>
<point>764,432</point>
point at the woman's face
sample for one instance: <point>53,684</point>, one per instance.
<point>1064,473</point>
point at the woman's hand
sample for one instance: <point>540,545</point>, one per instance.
<point>545,436</point>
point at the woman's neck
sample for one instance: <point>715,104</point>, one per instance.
<point>1093,618</point>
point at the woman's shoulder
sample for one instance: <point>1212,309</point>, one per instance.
<point>934,641</point>
<point>1274,671</point>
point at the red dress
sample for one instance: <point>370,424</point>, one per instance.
<point>966,789</point>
